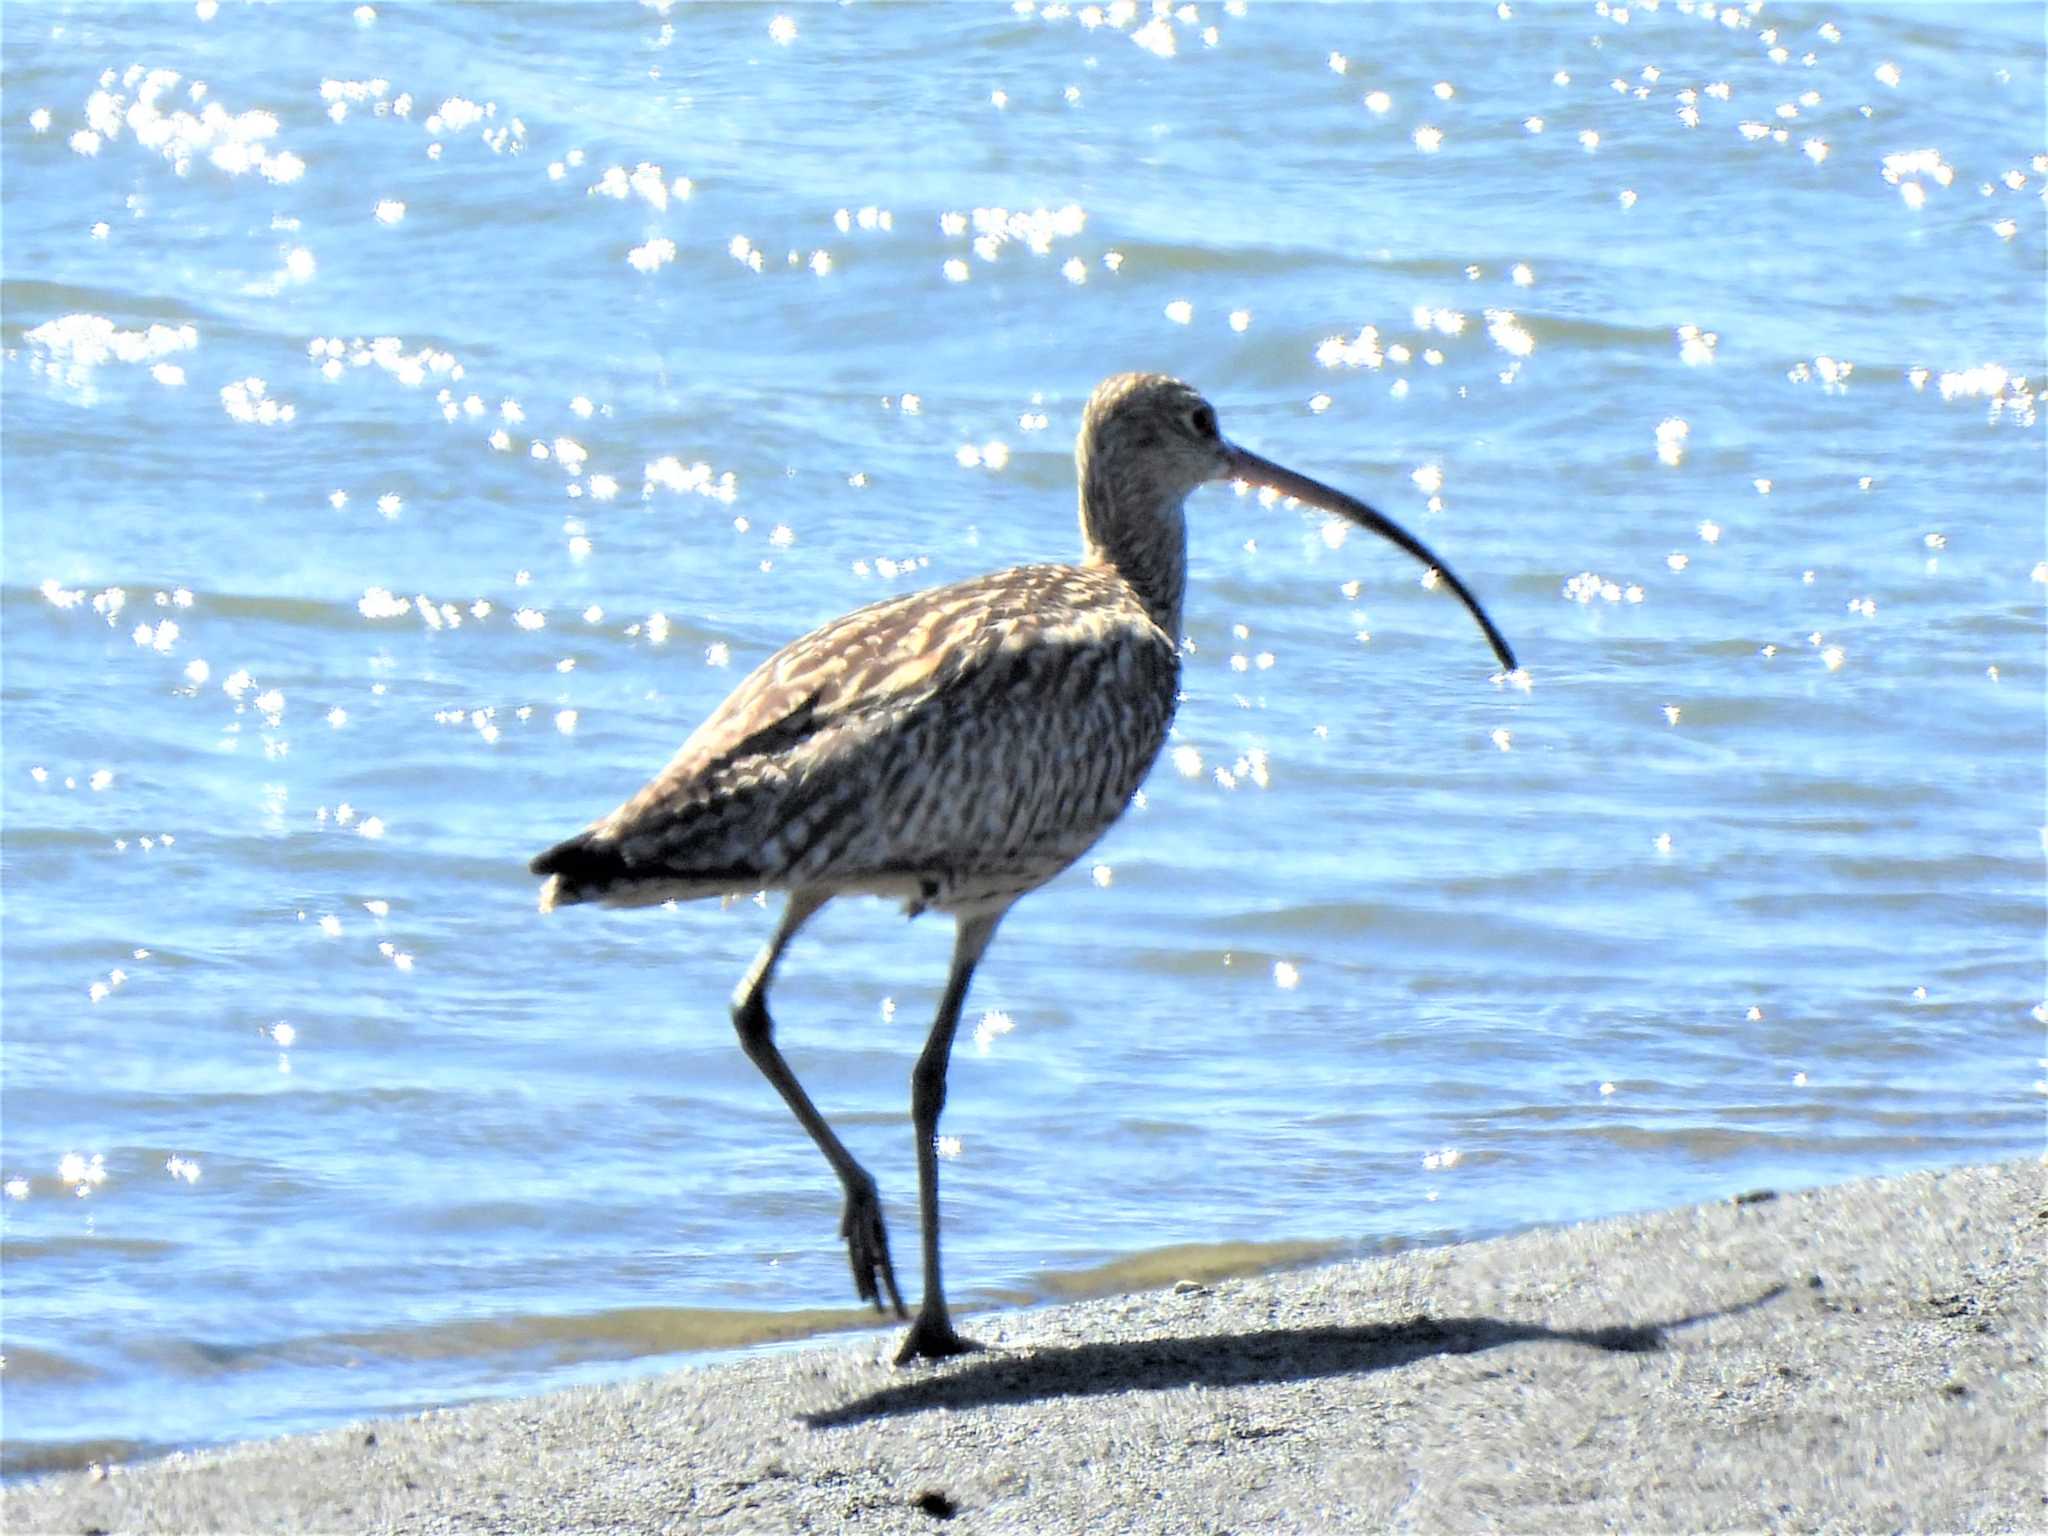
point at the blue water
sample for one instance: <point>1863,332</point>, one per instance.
<point>307,1114</point>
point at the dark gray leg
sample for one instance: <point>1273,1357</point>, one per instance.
<point>867,1243</point>
<point>931,1336</point>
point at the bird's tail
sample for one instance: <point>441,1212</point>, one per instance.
<point>579,868</point>
<point>594,866</point>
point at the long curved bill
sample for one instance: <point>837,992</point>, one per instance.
<point>1248,466</point>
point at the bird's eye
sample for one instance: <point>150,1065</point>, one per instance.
<point>1203,420</point>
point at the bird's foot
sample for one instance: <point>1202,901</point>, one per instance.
<point>932,1337</point>
<point>867,1247</point>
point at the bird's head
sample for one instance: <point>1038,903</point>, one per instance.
<point>1147,440</point>
<point>1150,438</point>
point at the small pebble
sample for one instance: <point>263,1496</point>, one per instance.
<point>935,1503</point>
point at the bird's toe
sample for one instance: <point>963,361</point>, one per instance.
<point>932,1337</point>
<point>867,1249</point>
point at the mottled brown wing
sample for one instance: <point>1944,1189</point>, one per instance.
<point>947,732</point>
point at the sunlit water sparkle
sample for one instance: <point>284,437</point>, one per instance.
<point>417,418</point>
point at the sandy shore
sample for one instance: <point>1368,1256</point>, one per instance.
<point>1852,1359</point>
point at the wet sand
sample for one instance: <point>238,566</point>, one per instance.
<point>1864,1357</point>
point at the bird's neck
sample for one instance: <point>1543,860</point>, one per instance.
<point>1142,537</point>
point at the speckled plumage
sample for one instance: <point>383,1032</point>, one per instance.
<point>953,749</point>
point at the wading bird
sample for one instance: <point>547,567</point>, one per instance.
<point>952,750</point>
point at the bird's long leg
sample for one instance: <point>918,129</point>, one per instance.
<point>867,1242</point>
<point>931,1335</point>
